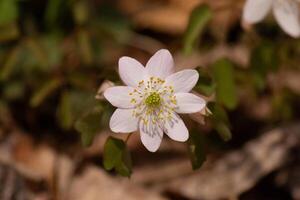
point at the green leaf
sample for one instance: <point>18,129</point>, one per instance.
<point>112,22</point>
<point>223,131</point>
<point>11,61</point>
<point>218,113</point>
<point>38,52</point>
<point>13,90</point>
<point>82,102</point>
<point>89,125</point>
<point>117,156</point>
<point>84,46</point>
<point>80,12</point>
<point>76,104</point>
<point>108,110</point>
<point>65,112</point>
<point>51,44</point>
<point>124,168</point>
<point>282,107</point>
<point>80,80</point>
<point>112,152</point>
<point>53,11</point>
<point>220,121</point>
<point>199,18</point>
<point>8,11</point>
<point>44,91</point>
<point>196,149</point>
<point>79,109</point>
<point>223,73</point>
<point>263,59</point>
<point>205,84</point>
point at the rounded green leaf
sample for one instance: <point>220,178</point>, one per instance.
<point>113,150</point>
<point>223,73</point>
<point>88,126</point>
<point>199,18</point>
<point>196,149</point>
<point>117,156</point>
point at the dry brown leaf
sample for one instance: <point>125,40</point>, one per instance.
<point>37,162</point>
<point>171,16</point>
<point>95,184</point>
<point>238,171</point>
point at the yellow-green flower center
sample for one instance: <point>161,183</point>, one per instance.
<point>153,99</point>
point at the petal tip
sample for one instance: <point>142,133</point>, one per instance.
<point>150,147</point>
<point>295,34</point>
<point>164,51</point>
<point>122,61</point>
<point>184,138</point>
<point>106,94</point>
<point>152,150</point>
<point>161,64</point>
<point>194,74</point>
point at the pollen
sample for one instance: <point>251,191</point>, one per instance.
<point>153,100</point>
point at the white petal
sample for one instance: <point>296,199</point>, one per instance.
<point>151,136</point>
<point>131,71</point>
<point>182,81</point>
<point>119,96</point>
<point>287,15</point>
<point>189,103</point>
<point>256,10</point>
<point>176,129</point>
<point>161,64</point>
<point>122,121</point>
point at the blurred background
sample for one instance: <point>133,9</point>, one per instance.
<point>58,56</point>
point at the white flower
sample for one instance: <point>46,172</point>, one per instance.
<point>153,98</point>
<point>286,13</point>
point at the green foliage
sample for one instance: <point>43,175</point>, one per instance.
<point>89,125</point>
<point>263,59</point>
<point>281,104</point>
<point>84,44</point>
<point>14,90</point>
<point>223,130</point>
<point>50,44</point>
<point>44,91</point>
<point>199,18</point>
<point>9,64</point>
<point>80,107</point>
<point>196,149</point>
<point>80,12</point>
<point>218,112</point>
<point>205,84</point>
<point>8,11</point>
<point>223,74</point>
<point>220,121</point>
<point>65,110</point>
<point>54,10</point>
<point>116,156</point>
<point>56,62</point>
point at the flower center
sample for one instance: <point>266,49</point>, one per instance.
<point>153,100</point>
<point>154,103</point>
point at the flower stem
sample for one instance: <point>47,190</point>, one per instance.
<point>128,137</point>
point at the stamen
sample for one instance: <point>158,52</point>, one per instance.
<point>154,105</point>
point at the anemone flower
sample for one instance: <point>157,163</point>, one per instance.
<point>286,13</point>
<point>152,99</point>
